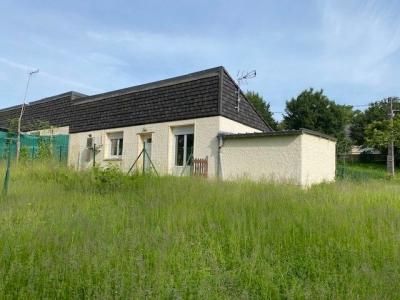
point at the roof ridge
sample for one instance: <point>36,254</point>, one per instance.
<point>72,93</point>
<point>153,85</point>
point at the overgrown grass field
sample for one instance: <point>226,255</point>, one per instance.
<point>101,235</point>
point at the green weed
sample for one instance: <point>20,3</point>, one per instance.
<point>101,234</point>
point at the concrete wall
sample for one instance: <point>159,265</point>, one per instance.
<point>299,159</point>
<point>275,158</point>
<point>163,150</point>
<point>318,160</point>
<point>163,144</point>
<point>52,131</point>
<point>228,126</point>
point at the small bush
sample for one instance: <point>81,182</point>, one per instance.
<point>108,179</point>
<point>24,155</point>
<point>44,150</point>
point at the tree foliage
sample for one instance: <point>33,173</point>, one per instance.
<point>378,134</point>
<point>262,107</point>
<point>313,110</point>
<point>376,112</point>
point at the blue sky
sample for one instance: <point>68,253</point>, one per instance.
<point>351,49</point>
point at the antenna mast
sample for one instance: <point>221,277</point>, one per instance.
<point>242,78</point>
<point>22,112</point>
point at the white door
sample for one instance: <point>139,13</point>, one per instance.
<point>147,147</point>
<point>183,150</point>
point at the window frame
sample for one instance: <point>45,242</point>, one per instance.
<point>185,149</point>
<point>118,138</point>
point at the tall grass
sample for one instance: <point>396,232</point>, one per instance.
<point>95,235</point>
<point>364,172</point>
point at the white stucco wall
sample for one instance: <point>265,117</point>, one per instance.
<point>205,130</point>
<point>228,126</point>
<point>299,159</point>
<point>163,151</point>
<point>318,160</point>
<point>276,158</point>
<point>52,131</point>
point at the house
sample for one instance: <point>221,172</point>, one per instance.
<point>177,120</point>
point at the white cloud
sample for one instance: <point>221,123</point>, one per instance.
<point>161,44</point>
<point>52,77</point>
<point>357,42</point>
<point>16,65</point>
<point>106,59</point>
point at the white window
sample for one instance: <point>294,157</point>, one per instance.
<point>116,145</point>
<point>184,149</point>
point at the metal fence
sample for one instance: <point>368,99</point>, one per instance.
<point>34,147</point>
<point>362,158</point>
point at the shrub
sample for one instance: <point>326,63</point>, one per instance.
<point>107,179</point>
<point>44,150</point>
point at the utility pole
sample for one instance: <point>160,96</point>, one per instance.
<point>22,112</point>
<point>390,157</point>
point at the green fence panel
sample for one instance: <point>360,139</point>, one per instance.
<point>36,147</point>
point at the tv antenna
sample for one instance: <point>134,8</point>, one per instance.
<point>241,78</point>
<point>23,110</point>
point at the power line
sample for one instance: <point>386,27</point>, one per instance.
<point>360,105</point>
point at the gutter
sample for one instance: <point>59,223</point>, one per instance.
<point>301,131</point>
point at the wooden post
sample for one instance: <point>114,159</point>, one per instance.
<point>94,155</point>
<point>144,158</point>
<point>7,177</point>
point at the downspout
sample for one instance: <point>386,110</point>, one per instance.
<point>219,136</point>
<point>219,165</point>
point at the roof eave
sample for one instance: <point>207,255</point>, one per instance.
<point>276,134</point>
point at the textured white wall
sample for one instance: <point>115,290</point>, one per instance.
<point>52,131</point>
<point>205,144</point>
<point>264,158</point>
<point>300,159</point>
<point>163,152</point>
<point>318,160</point>
<point>228,126</point>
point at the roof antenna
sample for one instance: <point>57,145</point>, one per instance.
<point>30,74</point>
<point>242,78</point>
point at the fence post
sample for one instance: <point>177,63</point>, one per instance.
<point>60,154</point>
<point>94,155</point>
<point>7,177</point>
<point>144,159</point>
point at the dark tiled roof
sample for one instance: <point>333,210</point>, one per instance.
<point>185,97</point>
<point>246,114</point>
<point>206,93</point>
<point>55,110</point>
<point>276,133</point>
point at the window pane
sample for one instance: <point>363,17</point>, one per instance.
<point>189,148</point>
<point>120,146</point>
<point>180,143</point>
<point>114,147</point>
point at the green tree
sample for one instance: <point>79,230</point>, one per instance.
<point>12,125</point>
<point>262,107</point>
<point>376,112</point>
<point>378,134</point>
<point>313,110</point>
